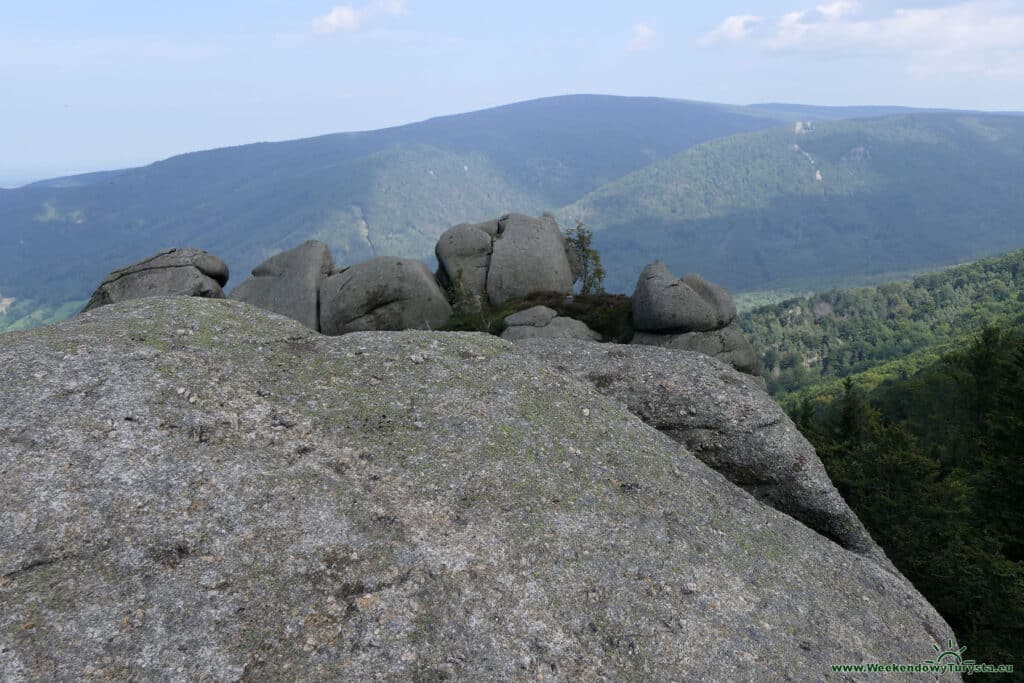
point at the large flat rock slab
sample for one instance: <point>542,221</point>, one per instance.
<point>727,420</point>
<point>197,489</point>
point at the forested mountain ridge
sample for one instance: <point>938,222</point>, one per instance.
<point>391,191</point>
<point>730,192</point>
<point>840,332</point>
<point>814,202</point>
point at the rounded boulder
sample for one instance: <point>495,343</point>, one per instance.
<point>385,293</point>
<point>173,272</point>
<point>528,257</point>
<point>664,303</point>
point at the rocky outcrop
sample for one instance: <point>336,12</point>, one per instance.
<point>727,345</point>
<point>199,490</point>
<point>536,316</point>
<point>689,313</point>
<point>385,293</point>
<point>173,272</point>
<point>508,258</point>
<point>725,419</point>
<point>464,255</point>
<point>541,322</point>
<point>528,257</point>
<point>289,283</point>
<point>666,304</point>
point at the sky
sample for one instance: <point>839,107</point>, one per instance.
<point>100,84</point>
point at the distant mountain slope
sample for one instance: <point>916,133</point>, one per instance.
<point>388,191</point>
<point>79,180</point>
<point>791,206</point>
<point>809,112</point>
<point>807,343</point>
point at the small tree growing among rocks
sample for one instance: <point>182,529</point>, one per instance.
<point>591,270</point>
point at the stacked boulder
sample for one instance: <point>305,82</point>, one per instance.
<point>691,314</point>
<point>541,322</point>
<point>289,283</point>
<point>508,258</point>
<point>497,261</point>
<point>385,293</point>
<point>172,272</point>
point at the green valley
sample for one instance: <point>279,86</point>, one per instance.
<point>836,333</point>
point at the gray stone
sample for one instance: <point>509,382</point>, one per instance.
<point>289,283</point>
<point>464,254</point>
<point>385,293</point>
<point>173,272</point>
<point>727,345</point>
<point>528,257</point>
<point>537,316</point>
<point>716,295</point>
<point>726,420</point>
<point>664,303</point>
<point>557,328</point>
<point>252,500</point>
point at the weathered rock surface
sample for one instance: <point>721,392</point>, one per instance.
<point>727,345</point>
<point>664,303</point>
<point>197,489</point>
<point>173,272</point>
<point>536,316</point>
<point>464,254</point>
<point>727,420</point>
<point>385,293</point>
<point>555,328</point>
<point>289,283</point>
<point>528,256</point>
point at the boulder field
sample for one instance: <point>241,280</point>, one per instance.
<point>196,489</point>
<point>509,258</point>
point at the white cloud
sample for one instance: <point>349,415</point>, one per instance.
<point>351,18</point>
<point>644,37</point>
<point>985,37</point>
<point>341,18</point>
<point>731,29</point>
<point>836,10</point>
<point>956,28</point>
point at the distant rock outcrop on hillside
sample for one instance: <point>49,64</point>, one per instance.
<point>200,490</point>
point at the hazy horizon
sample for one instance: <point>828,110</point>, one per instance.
<point>15,180</point>
<point>91,87</point>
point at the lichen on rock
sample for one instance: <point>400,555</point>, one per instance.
<point>196,488</point>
